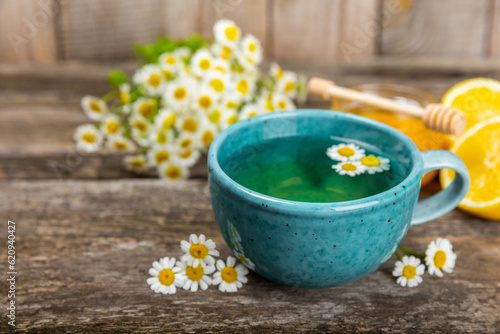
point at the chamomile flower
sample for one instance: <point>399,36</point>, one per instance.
<point>165,276</point>
<point>207,134</point>
<point>94,108</point>
<point>198,250</point>
<point>250,110</point>
<point>351,168</point>
<point>231,100</point>
<point>244,87</point>
<point>188,157</point>
<point>227,33</point>
<point>172,171</point>
<point>234,236</point>
<point>88,138</point>
<point>230,277</point>
<point>288,84</point>
<point>245,260</point>
<point>214,116</point>
<point>151,78</point>
<point>201,62</point>
<point>375,164</point>
<point>218,82</point>
<point>159,154</point>
<point>111,125</point>
<point>409,271</point>
<point>440,257</point>
<point>185,141</point>
<point>161,137</point>
<point>205,100</point>
<point>144,107</point>
<point>265,101</point>
<point>169,60</point>
<point>252,48</point>
<point>165,120</point>
<point>135,163</point>
<point>282,102</point>
<point>120,143</point>
<point>222,52</point>
<point>195,276</point>
<point>190,123</point>
<point>247,64</point>
<point>178,93</point>
<point>140,125</point>
<point>276,72</point>
<point>124,90</point>
<point>228,118</point>
<point>345,152</point>
<point>221,66</point>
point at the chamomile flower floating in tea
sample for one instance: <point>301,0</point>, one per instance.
<point>94,108</point>
<point>345,152</point>
<point>230,277</point>
<point>195,276</point>
<point>351,168</point>
<point>198,250</point>
<point>375,164</point>
<point>88,138</point>
<point>166,276</point>
<point>440,257</point>
<point>409,271</point>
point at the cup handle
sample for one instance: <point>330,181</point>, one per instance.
<point>448,198</point>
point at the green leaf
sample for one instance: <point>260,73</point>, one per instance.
<point>150,52</point>
<point>117,78</point>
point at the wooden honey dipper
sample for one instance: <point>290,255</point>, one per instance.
<point>435,116</point>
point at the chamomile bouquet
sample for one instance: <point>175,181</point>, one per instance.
<point>185,93</point>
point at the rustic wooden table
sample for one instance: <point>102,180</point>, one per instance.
<point>87,232</point>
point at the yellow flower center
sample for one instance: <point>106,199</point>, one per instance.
<point>207,137</point>
<point>186,142</point>
<point>232,119</point>
<point>146,109</point>
<point>112,127</point>
<point>231,105</point>
<point>161,137</point>
<point>370,161</point>
<point>252,114</point>
<point>242,87</point>
<point>205,102</point>
<point>170,60</point>
<point>229,274</point>
<point>269,103</point>
<point>141,126</point>
<point>243,259</point>
<point>162,156</point>
<point>95,106</point>
<point>124,97</point>
<point>217,85</point>
<point>119,145</point>
<point>290,85</point>
<point>169,122</point>
<point>173,172</point>
<point>198,251</point>
<point>231,33</point>
<point>204,64</point>
<point>409,272</point>
<point>180,93</point>
<point>220,69</point>
<point>166,277</point>
<point>282,104</point>
<point>346,151</point>
<point>137,163</point>
<point>214,117</point>
<point>252,47</point>
<point>195,274</point>
<point>279,73</point>
<point>440,259</point>
<point>154,80</point>
<point>190,125</point>
<point>186,154</point>
<point>349,167</point>
<point>89,137</point>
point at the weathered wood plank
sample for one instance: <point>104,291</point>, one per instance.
<point>98,30</point>
<point>324,30</point>
<point>436,28</point>
<point>84,249</point>
<point>495,30</point>
<point>27,31</point>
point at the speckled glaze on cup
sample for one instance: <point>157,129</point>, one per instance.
<point>319,245</point>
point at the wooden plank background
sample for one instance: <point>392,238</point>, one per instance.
<point>47,31</point>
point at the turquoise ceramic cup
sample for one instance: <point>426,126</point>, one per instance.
<point>319,245</point>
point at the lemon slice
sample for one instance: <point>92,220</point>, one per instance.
<point>479,148</point>
<point>478,98</point>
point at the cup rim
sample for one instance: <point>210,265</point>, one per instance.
<point>280,204</point>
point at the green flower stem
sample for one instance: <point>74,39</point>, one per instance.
<point>109,96</point>
<point>398,253</point>
<point>409,251</point>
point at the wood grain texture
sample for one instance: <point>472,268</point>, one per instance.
<point>106,30</point>
<point>495,29</point>
<point>84,249</point>
<point>27,31</point>
<point>435,28</point>
<point>323,30</point>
